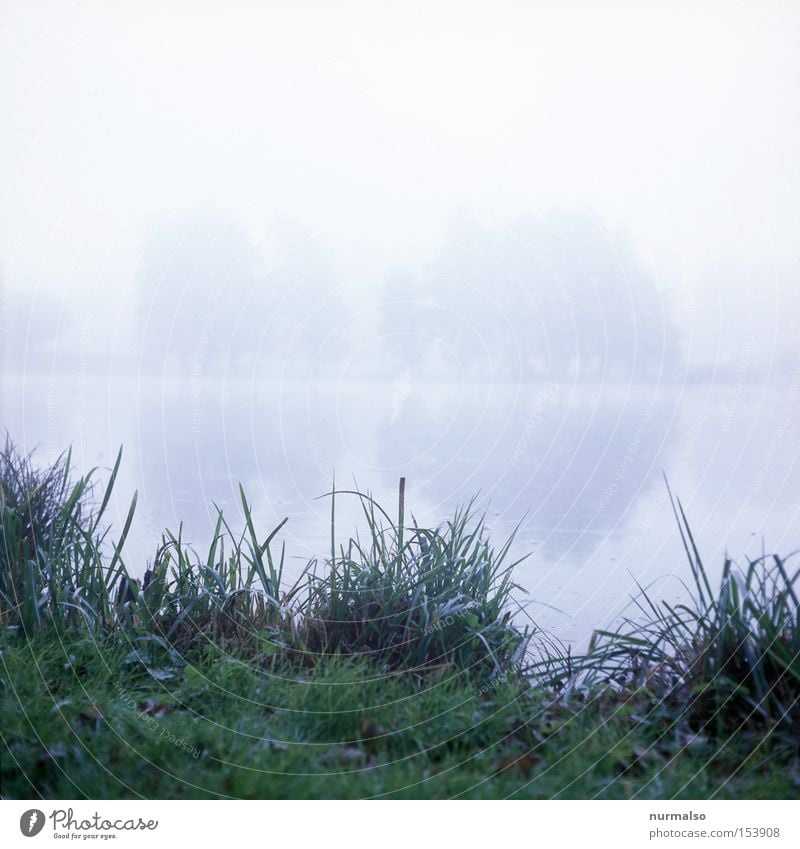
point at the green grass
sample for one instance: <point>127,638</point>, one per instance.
<point>730,659</point>
<point>414,596</point>
<point>394,667</point>
<point>53,572</point>
<point>78,722</point>
<point>405,597</point>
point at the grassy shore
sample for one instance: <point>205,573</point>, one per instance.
<point>81,720</point>
<point>395,667</point>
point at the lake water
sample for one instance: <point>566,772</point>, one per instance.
<point>581,467</point>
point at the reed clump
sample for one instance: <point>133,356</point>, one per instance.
<point>407,597</point>
<point>412,596</point>
<point>394,666</point>
<point>404,597</point>
<point>728,660</point>
<point>53,571</point>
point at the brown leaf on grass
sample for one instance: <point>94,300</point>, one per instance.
<point>525,763</point>
<point>155,709</point>
<point>369,729</point>
<point>91,712</point>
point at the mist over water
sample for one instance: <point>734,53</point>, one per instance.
<point>549,279</point>
<point>578,465</point>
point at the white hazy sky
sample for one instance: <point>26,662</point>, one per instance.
<point>372,125</point>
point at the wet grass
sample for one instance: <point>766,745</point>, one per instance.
<point>729,659</point>
<point>406,597</point>
<point>393,667</point>
<point>53,568</point>
<point>80,722</point>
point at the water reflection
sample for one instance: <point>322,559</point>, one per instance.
<point>535,367</point>
<point>573,458</point>
<point>584,461</point>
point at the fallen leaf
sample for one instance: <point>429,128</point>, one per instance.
<point>526,763</point>
<point>91,712</point>
<point>153,708</point>
<point>370,731</point>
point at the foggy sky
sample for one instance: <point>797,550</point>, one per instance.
<point>367,129</point>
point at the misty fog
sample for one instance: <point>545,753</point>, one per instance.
<point>298,244</point>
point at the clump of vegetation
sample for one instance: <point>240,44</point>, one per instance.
<point>423,682</point>
<point>38,504</point>
<point>52,572</point>
<point>232,597</point>
<point>407,598</point>
<point>729,660</point>
<point>415,596</point>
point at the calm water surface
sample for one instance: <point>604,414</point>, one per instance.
<point>580,467</point>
